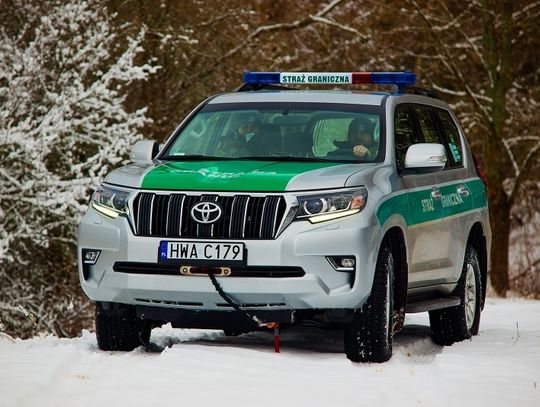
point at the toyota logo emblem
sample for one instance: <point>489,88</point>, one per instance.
<point>206,212</point>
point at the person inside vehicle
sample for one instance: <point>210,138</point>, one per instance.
<point>239,144</point>
<point>360,141</point>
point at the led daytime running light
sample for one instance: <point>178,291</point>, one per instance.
<point>106,211</point>
<point>331,216</point>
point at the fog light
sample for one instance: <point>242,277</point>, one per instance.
<point>90,256</point>
<point>347,262</point>
<point>342,263</point>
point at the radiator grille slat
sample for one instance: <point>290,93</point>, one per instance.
<point>144,208</point>
<point>243,216</point>
<point>189,227</point>
<point>174,216</point>
<point>159,222</point>
<point>270,213</point>
<point>254,213</point>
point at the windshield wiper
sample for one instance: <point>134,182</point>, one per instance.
<point>194,157</point>
<point>282,158</point>
<point>201,157</point>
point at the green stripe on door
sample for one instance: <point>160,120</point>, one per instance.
<point>418,206</point>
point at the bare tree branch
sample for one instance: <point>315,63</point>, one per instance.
<point>284,27</point>
<point>340,26</point>
<point>526,166</point>
<point>511,156</point>
<point>451,65</point>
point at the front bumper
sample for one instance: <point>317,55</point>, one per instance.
<point>302,245</point>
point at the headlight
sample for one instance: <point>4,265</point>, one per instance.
<point>111,202</point>
<point>318,208</point>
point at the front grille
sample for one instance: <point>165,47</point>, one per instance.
<point>174,270</point>
<point>243,217</point>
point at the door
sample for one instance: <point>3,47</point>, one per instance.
<point>423,213</point>
<point>457,197</point>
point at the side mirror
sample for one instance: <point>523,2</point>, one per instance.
<point>144,151</point>
<point>425,157</point>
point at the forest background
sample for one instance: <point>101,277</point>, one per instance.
<point>81,81</point>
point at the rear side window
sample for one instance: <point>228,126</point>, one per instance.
<point>451,136</point>
<point>427,124</point>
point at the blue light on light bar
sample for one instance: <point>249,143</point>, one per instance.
<point>254,78</point>
<point>330,78</point>
<point>393,78</point>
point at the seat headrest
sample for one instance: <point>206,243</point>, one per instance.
<point>362,124</point>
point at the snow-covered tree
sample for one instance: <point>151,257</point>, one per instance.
<point>63,125</point>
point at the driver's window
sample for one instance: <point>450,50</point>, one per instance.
<point>404,133</point>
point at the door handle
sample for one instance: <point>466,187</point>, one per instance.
<point>463,190</point>
<point>436,193</point>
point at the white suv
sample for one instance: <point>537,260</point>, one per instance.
<point>279,205</point>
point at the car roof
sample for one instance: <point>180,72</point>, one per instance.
<point>312,96</point>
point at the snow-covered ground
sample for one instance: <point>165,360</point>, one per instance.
<point>500,367</point>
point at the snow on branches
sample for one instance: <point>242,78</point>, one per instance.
<point>63,123</point>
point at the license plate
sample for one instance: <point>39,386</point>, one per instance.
<point>201,251</point>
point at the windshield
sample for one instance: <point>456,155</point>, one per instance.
<point>296,131</point>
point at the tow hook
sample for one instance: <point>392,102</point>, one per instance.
<point>205,271</point>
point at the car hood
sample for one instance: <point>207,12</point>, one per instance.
<point>236,175</point>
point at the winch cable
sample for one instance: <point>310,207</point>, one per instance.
<point>254,320</point>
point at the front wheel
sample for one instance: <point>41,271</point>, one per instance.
<point>118,328</point>
<point>368,338</point>
<point>457,323</point>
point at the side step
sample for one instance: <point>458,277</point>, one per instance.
<point>432,304</point>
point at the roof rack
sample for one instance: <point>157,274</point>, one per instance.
<point>246,87</point>
<point>415,90</point>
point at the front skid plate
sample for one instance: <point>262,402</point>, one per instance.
<point>182,318</point>
<point>185,318</point>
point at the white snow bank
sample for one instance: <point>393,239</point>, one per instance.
<point>500,367</point>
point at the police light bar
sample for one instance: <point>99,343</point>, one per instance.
<point>330,78</point>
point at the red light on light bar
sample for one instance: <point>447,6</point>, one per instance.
<point>361,77</point>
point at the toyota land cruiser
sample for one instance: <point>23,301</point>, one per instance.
<point>279,205</point>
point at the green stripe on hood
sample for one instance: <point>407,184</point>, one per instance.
<point>227,175</point>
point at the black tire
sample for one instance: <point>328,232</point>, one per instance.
<point>233,332</point>
<point>118,328</point>
<point>458,323</point>
<point>368,338</point>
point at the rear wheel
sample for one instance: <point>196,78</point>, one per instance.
<point>118,328</point>
<point>368,338</point>
<point>234,332</point>
<point>457,323</point>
